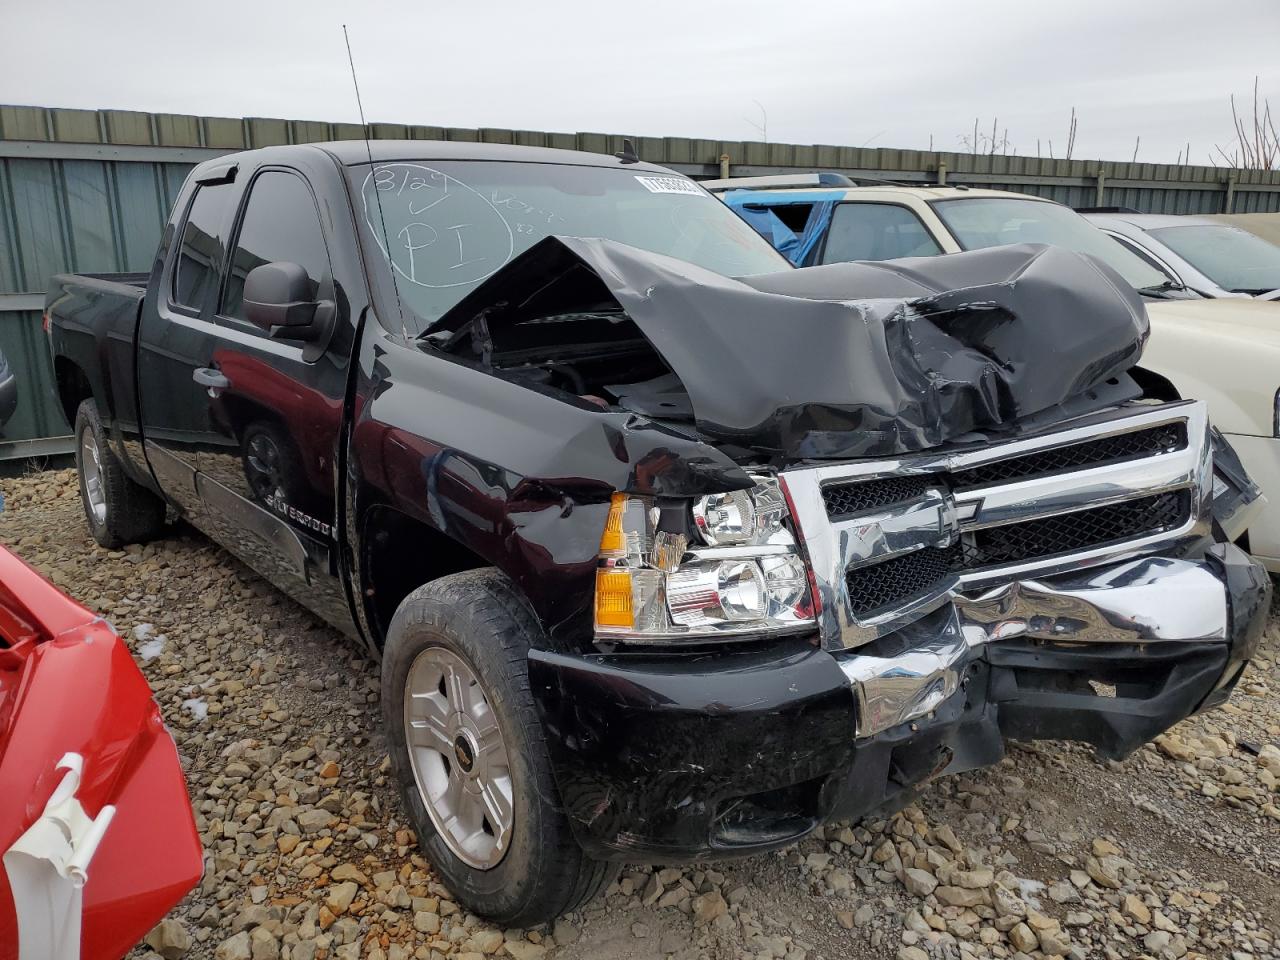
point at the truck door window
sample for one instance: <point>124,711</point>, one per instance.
<point>876,231</point>
<point>195,272</point>
<point>280,223</point>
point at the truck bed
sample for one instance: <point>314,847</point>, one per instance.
<point>92,322</point>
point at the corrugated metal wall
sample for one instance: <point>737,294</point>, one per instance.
<point>87,216</point>
<point>56,215</point>
<point>89,190</point>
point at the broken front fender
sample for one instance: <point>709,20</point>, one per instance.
<point>96,830</point>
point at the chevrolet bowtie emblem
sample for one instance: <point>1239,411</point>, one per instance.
<point>948,523</point>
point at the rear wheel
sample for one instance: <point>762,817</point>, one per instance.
<point>117,509</point>
<point>467,747</point>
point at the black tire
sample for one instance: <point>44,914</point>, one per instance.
<point>133,513</point>
<point>478,616</point>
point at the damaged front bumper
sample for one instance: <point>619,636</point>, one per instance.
<point>1139,604</point>
<point>1073,585</point>
<point>672,758</point>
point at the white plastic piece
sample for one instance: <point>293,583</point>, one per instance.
<point>48,867</point>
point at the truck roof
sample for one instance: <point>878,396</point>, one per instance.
<point>355,152</point>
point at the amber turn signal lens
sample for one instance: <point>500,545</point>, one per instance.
<point>613,542</point>
<point>613,599</point>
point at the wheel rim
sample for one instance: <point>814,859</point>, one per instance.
<point>91,469</point>
<point>262,466</point>
<point>459,757</point>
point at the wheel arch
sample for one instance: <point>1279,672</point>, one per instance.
<point>400,553</point>
<point>73,386</point>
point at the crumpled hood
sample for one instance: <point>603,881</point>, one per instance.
<point>858,359</point>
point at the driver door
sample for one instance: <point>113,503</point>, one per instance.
<point>267,478</point>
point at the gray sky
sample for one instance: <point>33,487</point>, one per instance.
<point>852,73</point>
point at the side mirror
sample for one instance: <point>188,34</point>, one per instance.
<point>278,298</point>
<point>278,295</point>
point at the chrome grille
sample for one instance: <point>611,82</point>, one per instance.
<point>884,585</point>
<point>892,540</point>
<point>877,586</point>
<point>1069,532</point>
<point>1164,438</point>
<point>848,499</point>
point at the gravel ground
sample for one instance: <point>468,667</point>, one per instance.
<point>1174,852</point>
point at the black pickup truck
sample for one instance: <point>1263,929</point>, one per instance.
<point>669,551</point>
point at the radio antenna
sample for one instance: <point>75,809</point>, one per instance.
<point>377,194</point>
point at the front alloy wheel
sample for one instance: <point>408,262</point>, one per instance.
<point>459,757</point>
<point>469,751</point>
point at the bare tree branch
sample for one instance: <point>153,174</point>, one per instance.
<point>1256,145</point>
<point>1257,127</point>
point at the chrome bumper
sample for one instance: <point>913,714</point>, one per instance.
<point>1150,600</point>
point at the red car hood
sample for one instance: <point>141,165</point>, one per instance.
<point>69,689</point>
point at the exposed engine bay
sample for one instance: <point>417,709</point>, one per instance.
<point>852,359</point>
<point>571,334</point>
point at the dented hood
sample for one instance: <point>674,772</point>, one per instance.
<point>854,359</point>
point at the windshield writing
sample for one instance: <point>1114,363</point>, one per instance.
<point>451,225</point>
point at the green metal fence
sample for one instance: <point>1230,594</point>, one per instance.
<point>88,191</point>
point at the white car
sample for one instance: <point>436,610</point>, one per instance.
<point>1214,259</point>
<point>1223,351</point>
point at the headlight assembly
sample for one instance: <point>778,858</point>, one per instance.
<point>742,517</point>
<point>720,566</point>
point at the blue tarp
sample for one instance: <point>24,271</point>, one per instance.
<point>757,206</point>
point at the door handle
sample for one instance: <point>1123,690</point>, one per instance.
<point>211,378</point>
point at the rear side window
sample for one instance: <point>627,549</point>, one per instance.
<point>876,231</point>
<point>195,274</point>
<point>280,223</point>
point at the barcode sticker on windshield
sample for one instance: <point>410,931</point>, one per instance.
<point>669,185</point>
